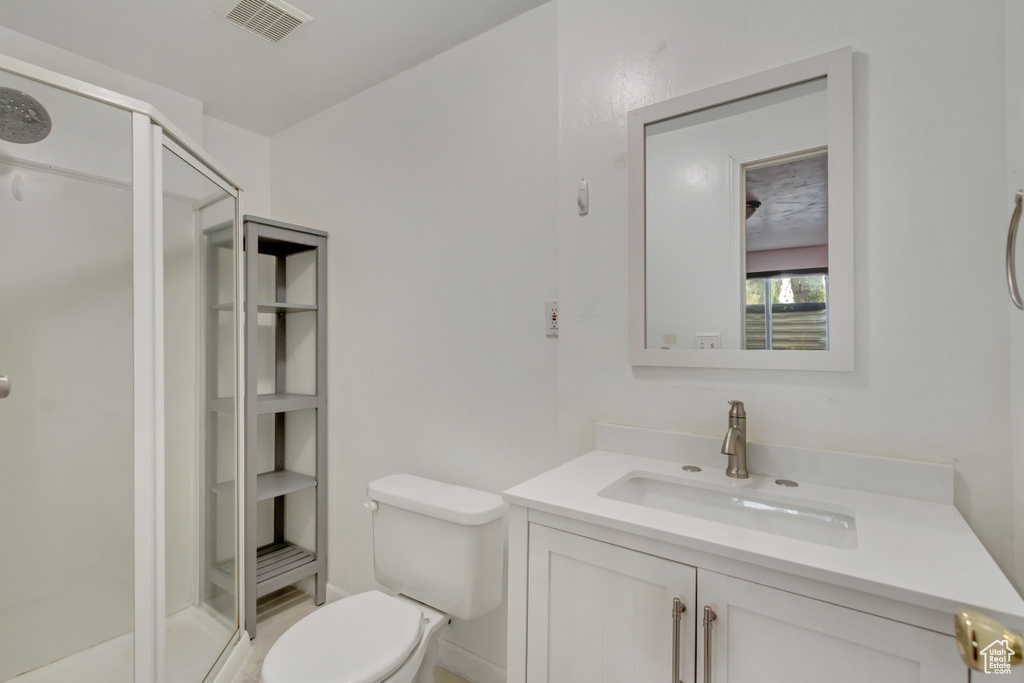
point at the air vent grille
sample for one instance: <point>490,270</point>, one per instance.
<point>270,21</point>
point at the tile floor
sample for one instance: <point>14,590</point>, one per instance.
<point>275,613</point>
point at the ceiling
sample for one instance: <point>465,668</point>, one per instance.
<point>350,45</point>
<point>794,204</point>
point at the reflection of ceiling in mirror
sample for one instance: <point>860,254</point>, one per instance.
<point>794,204</point>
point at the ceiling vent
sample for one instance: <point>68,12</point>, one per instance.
<point>272,21</point>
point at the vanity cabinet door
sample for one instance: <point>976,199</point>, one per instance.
<point>598,612</point>
<point>765,635</point>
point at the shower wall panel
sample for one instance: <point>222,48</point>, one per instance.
<point>66,454</point>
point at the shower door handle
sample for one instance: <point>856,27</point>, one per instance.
<point>5,386</point>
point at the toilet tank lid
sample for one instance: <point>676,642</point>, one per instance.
<point>448,502</point>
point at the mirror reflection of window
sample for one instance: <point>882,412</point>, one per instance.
<point>786,255</point>
<point>797,318</point>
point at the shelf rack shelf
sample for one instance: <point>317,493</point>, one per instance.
<point>281,482</point>
<point>267,404</point>
<point>282,562</point>
<point>285,308</point>
<point>271,484</point>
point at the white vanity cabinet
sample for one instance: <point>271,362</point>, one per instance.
<point>764,634</point>
<point>601,612</point>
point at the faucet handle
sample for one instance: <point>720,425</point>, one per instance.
<point>737,410</point>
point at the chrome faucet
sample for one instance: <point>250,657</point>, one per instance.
<point>735,444</point>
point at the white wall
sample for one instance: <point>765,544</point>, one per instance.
<point>929,213</point>
<point>245,157</point>
<point>438,190</point>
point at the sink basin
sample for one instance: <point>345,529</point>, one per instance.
<point>748,508</point>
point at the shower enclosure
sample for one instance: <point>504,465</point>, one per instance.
<point>119,439</point>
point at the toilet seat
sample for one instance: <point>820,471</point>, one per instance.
<point>361,639</point>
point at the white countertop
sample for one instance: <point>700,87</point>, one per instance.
<point>918,551</point>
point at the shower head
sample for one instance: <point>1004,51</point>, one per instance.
<point>22,118</point>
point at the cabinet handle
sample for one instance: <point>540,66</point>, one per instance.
<point>1011,242</point>
<point>709,618</point>
<point>677,616</point>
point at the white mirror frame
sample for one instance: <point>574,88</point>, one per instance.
<point>837,66</point>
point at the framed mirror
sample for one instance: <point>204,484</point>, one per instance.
<point>741,222</point>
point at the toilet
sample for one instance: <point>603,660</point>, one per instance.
<point>440,547</point>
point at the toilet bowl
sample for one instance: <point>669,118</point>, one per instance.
<point>441,548</point>
<point>367,638</point>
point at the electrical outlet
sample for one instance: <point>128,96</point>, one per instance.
<point>551,318</point>
<point>707,341</point>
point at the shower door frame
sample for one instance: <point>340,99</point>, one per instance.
<point>161,144</point>
<point>151,131</point>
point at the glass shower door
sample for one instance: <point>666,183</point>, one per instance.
<point>66,429</point>
<point>201,458</point>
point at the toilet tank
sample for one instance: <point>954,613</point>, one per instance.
<point>440,544</point>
